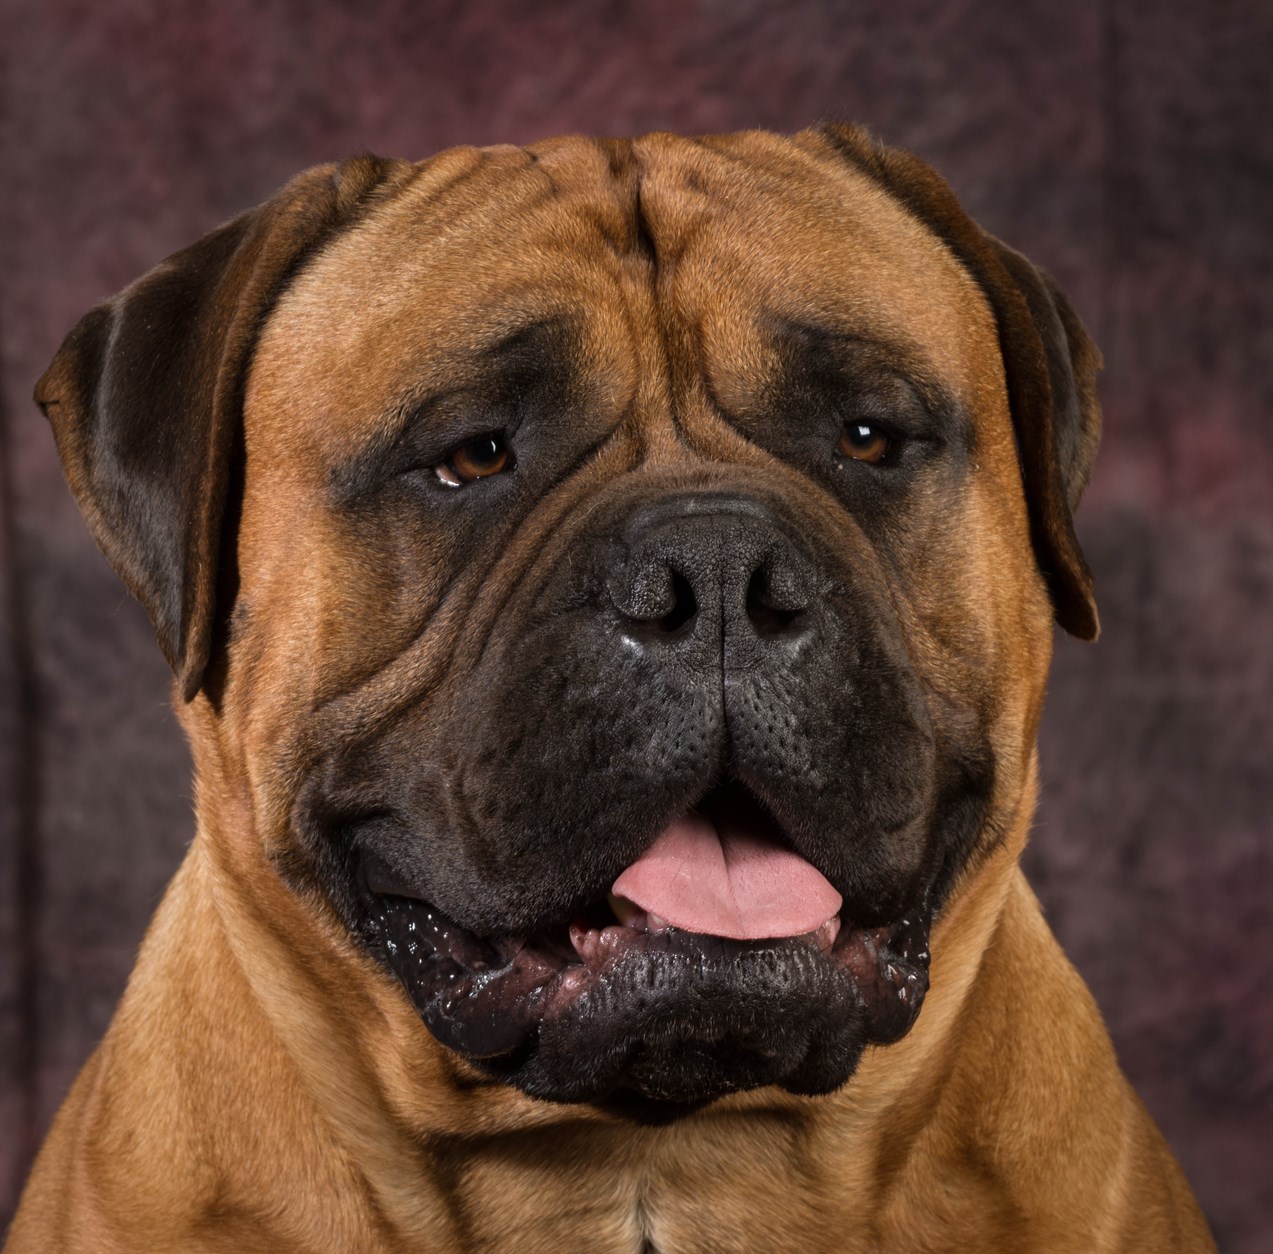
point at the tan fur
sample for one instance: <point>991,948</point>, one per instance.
<point>265,1086</point>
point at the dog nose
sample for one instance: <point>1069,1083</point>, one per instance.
<point>711,569</point>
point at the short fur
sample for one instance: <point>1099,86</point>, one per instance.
<point>249,430</point>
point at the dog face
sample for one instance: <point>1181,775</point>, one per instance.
<point>637,622</point>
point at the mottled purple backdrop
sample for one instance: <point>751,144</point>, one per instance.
<point>1123,144</point>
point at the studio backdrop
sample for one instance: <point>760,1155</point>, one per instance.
<point>1124,145</point>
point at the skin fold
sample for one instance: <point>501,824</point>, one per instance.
<point>678,591</point>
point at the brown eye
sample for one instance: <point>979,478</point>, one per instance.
<point>863,442</point>
<point>487,455</point>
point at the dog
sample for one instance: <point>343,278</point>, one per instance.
<point>610,588</point>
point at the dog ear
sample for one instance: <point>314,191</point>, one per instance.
<point>145,398</point>
<point>1049,361</point>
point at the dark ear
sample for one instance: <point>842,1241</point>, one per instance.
<point>146,394</point>
<point>1049,361</point>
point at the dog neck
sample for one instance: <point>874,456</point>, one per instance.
<point>423,1137</point>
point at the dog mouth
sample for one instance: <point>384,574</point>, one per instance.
<point>720,960</point>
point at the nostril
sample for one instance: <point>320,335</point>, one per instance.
<point>773,610</point>
<point>684,605</point>
<point>655,598</point>
<point>770,622</point>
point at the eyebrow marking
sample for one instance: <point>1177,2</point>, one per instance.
<point>829,349</point>
<point>836,368</point>
<point>500,378</point>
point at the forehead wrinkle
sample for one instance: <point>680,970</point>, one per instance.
<point>485,228</point>
<point>554,339</point>
<point>793,231</point>
<point>816,346</point>
<point>457,181</point>
<point>732,233</point>
<point>468,191</point>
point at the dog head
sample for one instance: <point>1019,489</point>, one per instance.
<point>614,580</point>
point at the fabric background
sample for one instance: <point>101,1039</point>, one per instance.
<point>1123,144</point>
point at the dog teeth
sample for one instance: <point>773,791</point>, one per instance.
<point>631,915</point>
<point>825,935</point>
<point>595,945</point>
<point>586,941</point>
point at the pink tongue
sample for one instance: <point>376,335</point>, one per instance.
<point>726,882</point>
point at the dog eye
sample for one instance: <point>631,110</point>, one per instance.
<point>864,442</point>
<point>477,459</point>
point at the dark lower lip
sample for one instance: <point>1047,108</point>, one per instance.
<point>491,998</point>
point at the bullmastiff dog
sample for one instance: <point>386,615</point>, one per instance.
<point>610,588</point>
